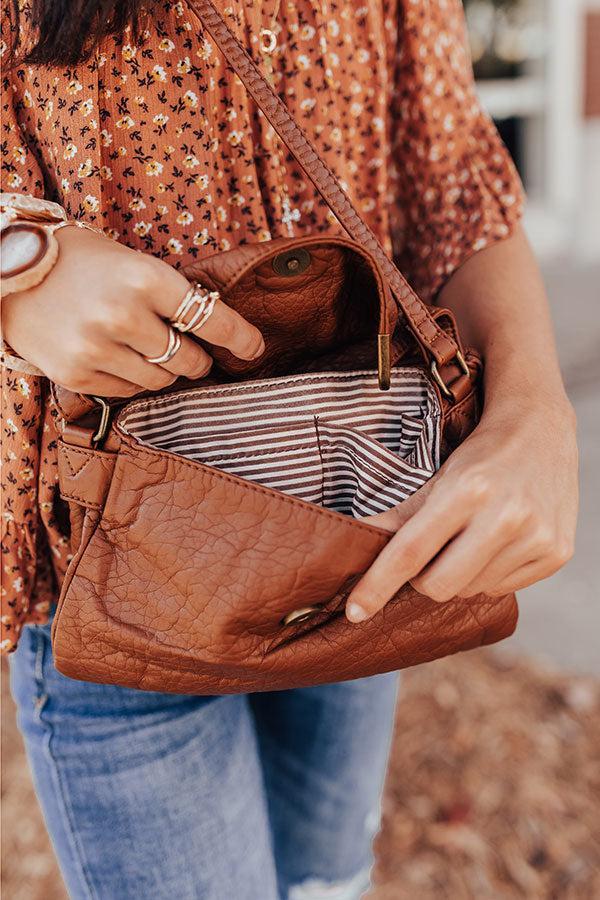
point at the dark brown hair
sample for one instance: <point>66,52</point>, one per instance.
<point>65,32</point>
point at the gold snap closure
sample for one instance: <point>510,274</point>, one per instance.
<point>300,615</point>
<point>292,262</point>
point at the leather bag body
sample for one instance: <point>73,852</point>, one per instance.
<point>189,579</point>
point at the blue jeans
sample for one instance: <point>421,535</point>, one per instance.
<point>252,797</point>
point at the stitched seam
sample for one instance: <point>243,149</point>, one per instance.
<point>63,805</point>
<point>89,454</point>
<point>83,500</point>
<point>322,461</point>
<point>214,461</point>
<point>76,472</point>
<point>269,384</point>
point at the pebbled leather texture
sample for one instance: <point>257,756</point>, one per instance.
<point>182,583</point>
<point>182,576</point>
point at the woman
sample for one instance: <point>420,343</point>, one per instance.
<point>130,119</point>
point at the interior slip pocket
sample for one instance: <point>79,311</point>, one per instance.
<point>362,477</point>
<point>333,439</point>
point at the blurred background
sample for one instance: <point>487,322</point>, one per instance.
<point>537,64</point>
<point>494,782</point>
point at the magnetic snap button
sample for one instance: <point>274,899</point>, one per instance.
<point>300,615</point>
<point>292,262</point>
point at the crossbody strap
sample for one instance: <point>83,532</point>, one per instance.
<point>436,342</point>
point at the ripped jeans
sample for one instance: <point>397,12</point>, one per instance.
<point>259,797</point>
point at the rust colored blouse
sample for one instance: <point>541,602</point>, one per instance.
<point>160,145</point>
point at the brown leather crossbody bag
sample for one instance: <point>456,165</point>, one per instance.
<point>216,527</point>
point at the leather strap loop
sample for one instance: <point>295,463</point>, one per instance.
<point>434,340</point>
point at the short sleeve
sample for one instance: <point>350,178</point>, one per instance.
<point>455,188</point>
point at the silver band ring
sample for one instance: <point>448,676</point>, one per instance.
<point>204,303</point>
<point>203,314</point>
<point>183,308</point>
<point>200,303</point>
<point>172,348</point>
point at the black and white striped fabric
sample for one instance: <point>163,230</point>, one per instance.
<point>331,438</point>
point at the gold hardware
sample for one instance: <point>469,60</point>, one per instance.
<point>300,615</point>
<point>438,378</point>
<point>292,262</point>
<point>384,363</point>
<point>102,430</point>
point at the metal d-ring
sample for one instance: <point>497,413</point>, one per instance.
<point>100,434</point>
<point>440,381</point>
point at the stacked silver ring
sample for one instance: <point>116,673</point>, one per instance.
<point>204,301</point>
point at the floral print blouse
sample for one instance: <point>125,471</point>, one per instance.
<point>159,145</point>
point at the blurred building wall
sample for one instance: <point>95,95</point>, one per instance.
<point>587,238</point>
<point>537,66</point>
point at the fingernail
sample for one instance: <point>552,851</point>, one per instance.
<point>356,613</point>
<point>260,350</point>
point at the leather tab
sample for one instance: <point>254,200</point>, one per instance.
<point>84,475</point>
<point>70,405</point>
<point>76,436</point>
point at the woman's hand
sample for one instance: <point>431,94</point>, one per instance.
<point>102,309</point>
<point>498,516</point>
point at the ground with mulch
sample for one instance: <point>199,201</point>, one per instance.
<point>493,789</point>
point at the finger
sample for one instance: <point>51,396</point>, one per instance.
<point>191,359</point>
<point>439,519</point>
<point>126,363</point>
<point>499,570</point>
<point>523,577</point>
<point>111,386</point>
<point>227,328</point>
<point>151,339</point>
<point>102,385</point>
<point>466,557</point>
<point>224,328</point>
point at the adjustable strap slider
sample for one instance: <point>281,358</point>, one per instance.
<point>440,381</point>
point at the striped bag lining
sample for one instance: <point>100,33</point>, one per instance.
<point>331,438</point>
